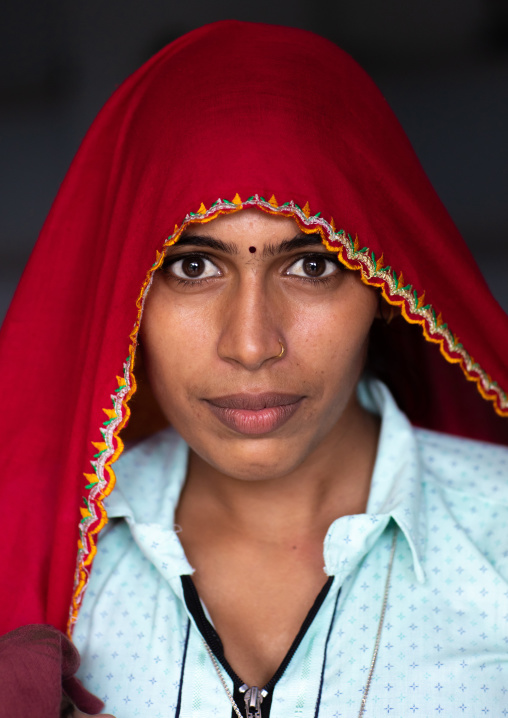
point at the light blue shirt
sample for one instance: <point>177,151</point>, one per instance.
<point>444,644</point>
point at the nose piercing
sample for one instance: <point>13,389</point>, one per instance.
<point>282,351</point>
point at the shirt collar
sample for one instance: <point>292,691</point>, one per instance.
<point>150,476</point>
<point>396,491</point>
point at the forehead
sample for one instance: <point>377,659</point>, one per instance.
<point>246,228</point>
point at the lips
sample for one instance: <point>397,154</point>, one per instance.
<point>255,414</point>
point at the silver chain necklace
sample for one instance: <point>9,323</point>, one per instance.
<point>254,696</point>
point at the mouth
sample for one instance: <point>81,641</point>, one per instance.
<point>255,414</point>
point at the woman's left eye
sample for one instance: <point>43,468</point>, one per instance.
<point>316,266</point>
<point>193,267</point>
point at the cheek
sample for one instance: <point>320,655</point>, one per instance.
<point>166,350</point>
<point>334,337</point>
<point>333,349</point>
<point>175,334</point>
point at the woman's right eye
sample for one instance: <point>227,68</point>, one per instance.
<point>191,267</point>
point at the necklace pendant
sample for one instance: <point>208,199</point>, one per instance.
<point>253,698</point>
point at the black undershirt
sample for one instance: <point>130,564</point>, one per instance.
<point>212,638</point>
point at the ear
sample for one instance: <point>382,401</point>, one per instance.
<point>387,312</point>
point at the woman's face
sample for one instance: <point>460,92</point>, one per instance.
<point>231,294</point>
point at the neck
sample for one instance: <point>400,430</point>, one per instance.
<point>333,481</point>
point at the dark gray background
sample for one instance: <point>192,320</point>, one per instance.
<point>442,64</point>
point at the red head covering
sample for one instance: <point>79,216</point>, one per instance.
<point>230,116</point>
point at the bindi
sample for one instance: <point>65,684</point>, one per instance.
<point>252,250</point>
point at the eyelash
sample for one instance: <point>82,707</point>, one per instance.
<point>169,261</point>
<point>316,281</point>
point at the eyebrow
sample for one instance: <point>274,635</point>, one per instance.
<point>270,250</point>
<point>289,245</point>
<point>195,240</point>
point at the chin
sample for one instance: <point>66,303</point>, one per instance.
<point>260,460</point>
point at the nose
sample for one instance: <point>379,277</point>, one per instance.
<point>251,333</point>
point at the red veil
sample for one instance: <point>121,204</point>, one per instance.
<point>230,116</point>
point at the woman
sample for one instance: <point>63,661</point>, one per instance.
<point>243,222</point>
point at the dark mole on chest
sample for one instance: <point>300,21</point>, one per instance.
<point>252,250</point>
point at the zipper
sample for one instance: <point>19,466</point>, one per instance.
<point>240,689</point>
<point>253,698</point>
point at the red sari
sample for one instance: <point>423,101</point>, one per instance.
<point>230,116</point>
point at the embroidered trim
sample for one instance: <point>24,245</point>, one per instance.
<point>99,484</point>
<point>374,272</point>
<point>102,482</point>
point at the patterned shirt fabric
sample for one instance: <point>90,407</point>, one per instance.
<point>444,643</point>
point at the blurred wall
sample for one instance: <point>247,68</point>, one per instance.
<point>442,64</point>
